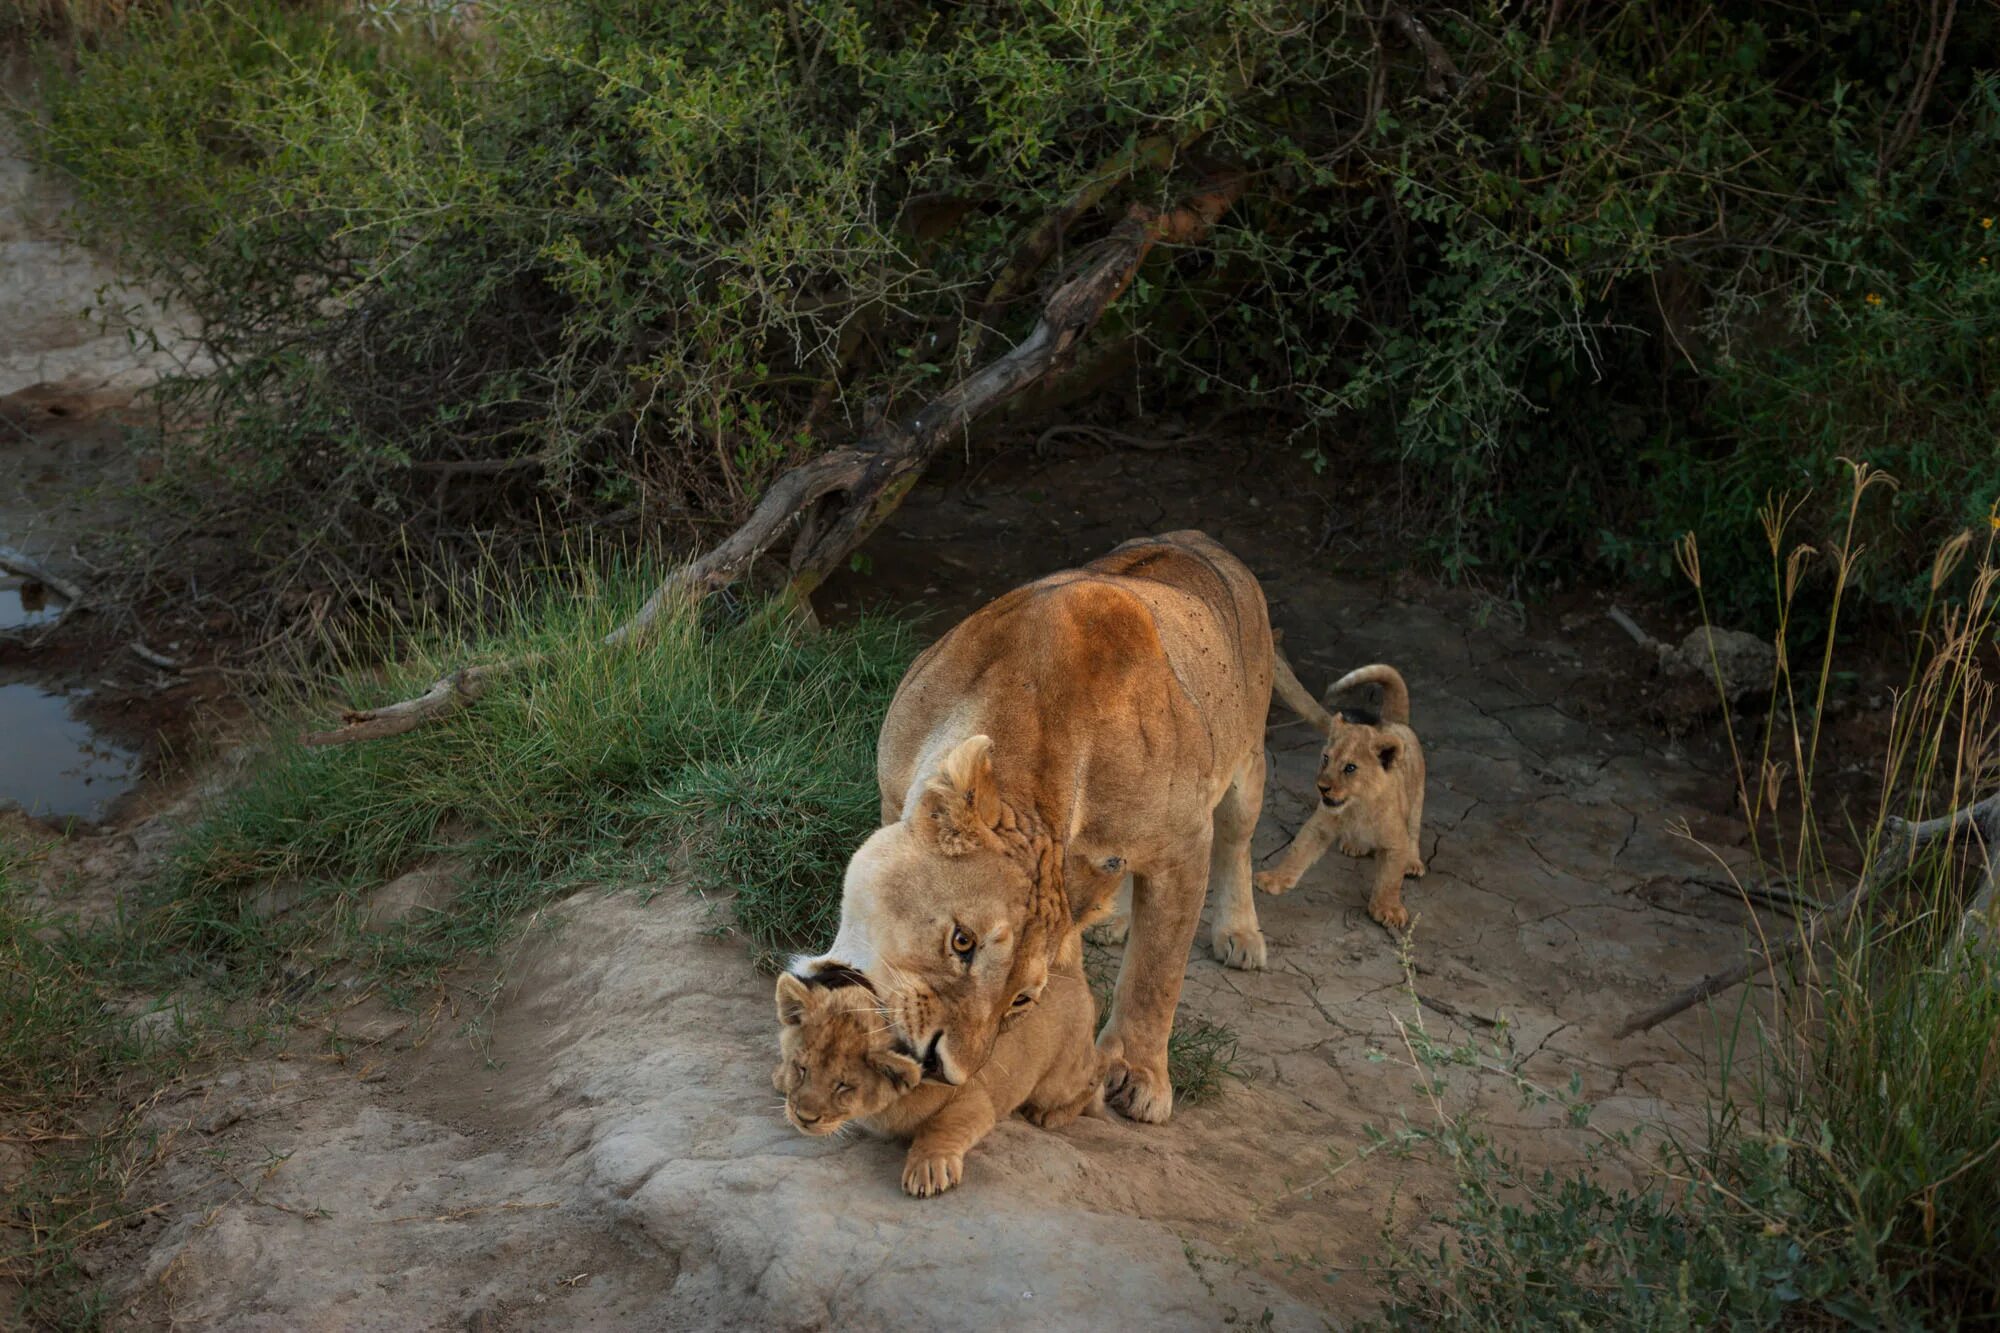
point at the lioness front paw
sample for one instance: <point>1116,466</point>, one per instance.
<point>1272,881</point>
<point>931,1172</point>
<point>1242,949</point>
<point>1111,930</point>
<point>1389,912</point>
<point>1138,1094</point>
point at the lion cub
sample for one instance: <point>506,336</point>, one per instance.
<point>1371,789</point>
<point>841,1063</point>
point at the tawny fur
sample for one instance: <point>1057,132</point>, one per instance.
<point>1371,788</point>
<point>839,1065</point>
<point>1100,724</point>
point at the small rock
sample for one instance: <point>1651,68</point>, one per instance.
<point>428,888</point>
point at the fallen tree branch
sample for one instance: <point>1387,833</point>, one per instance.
<point>27,567</point>
<point>1901,843</point>
<point>871,478</point>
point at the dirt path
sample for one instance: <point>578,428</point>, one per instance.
<point>596,1143</point>
<point>609,1151</point>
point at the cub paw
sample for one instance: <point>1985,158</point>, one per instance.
<point>1351,847</point>
<point>1111,930</point>
<point>1241,949</point>
<point>1389,913</point>
<point>1138,1094</point>
<point>1052,1117</point>
<point>1270,881</point>
<point>931,1172</point>
<point>1415,869</point>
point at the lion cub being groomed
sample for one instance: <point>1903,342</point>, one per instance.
<point>841,1064</point>
<point>1371,788</point>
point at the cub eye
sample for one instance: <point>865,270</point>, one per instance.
<point>842,1089</point>
<point>799,1068</point>
<point>1023,1000</point>
<point>1349,769</point>
<point>962,943</point>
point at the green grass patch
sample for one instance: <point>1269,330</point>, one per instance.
<point>75,1060</point>
<point>740,748</point>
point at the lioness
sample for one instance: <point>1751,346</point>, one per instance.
<point>840,1063</point>
<point>1371,789</point>
<point>1100,721</point>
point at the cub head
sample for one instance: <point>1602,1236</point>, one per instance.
<point>1359,762</point>
<point>951,916</point>
<point>837,1056</point>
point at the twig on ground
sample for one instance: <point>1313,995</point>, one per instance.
<point>1900,844</point>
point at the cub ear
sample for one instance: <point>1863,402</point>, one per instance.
<point>902,1072</point>
<point>794,998</point>
<point>1389,750</point>
<point>960,806</point>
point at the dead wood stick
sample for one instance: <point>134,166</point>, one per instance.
<point>1440,74</point>
<point>1901,843</point>
<point>872,477</point>
<point>446,695</point>
<point>1639,636</point>
<point>27,567</point>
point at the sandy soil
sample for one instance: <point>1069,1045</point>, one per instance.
<point>605,1148</point>
<point>593,1141</point>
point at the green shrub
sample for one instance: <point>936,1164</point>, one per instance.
<point>615,257</point>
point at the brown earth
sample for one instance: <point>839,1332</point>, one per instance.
<point>591,1138</point>
<point>604,1147</point>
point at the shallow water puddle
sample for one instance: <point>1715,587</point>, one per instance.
<point>52,764</point>
<point>25,602</point>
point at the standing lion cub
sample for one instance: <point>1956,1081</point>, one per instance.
<point>1371,788</point>
<point>841,1062</point>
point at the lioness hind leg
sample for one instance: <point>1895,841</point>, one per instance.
<point>1235,937</point>
<point>1311,842</point>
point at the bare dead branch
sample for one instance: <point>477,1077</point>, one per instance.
<point>1440,74</point>
<point>1900,844</point>
<point>870,479</point>
<point>27,567</point>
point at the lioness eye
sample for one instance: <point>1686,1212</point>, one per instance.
<point>962,943</point>
<point>1348,769</point>
<point>1023,1000</point>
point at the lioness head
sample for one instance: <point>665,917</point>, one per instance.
<point>1358,763</point>
<point>952,921</point>
<point>838,1058</point>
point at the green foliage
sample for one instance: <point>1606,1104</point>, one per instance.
<point>68,1048</point>
<point>1626,270</point>
<point>747,745</point>
<point>1850,1176</point>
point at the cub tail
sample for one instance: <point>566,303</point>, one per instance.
<point>1395,694</point>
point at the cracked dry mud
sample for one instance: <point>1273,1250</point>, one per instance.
<point>612,1152</point>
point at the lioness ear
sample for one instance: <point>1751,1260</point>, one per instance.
<point>793,998</point>
<point>1389,751</point>
<point>902,1072</point>
<point>961,803</point>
